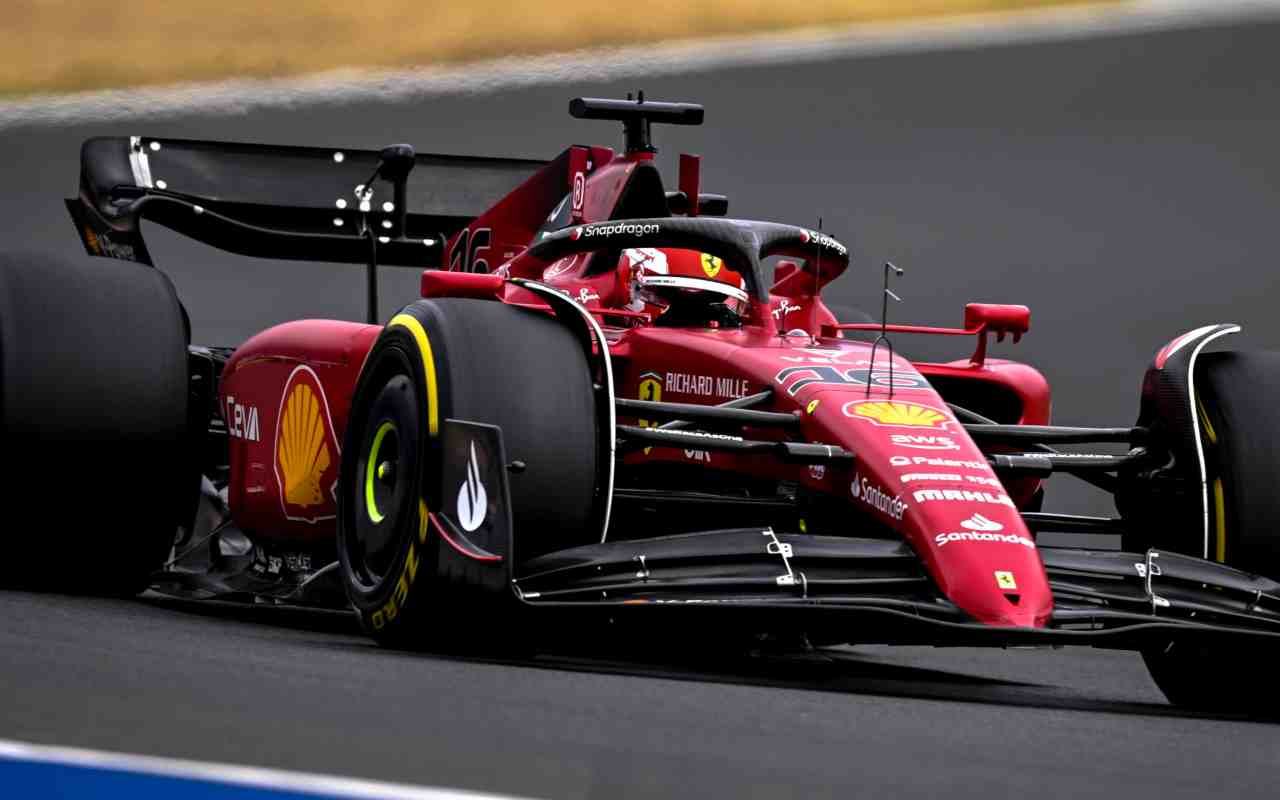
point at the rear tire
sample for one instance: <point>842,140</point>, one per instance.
<point>1240,419</point>
<point>480,361</point>
<point>93,416</point>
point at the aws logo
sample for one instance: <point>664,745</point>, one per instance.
<point>896,414</point>
<point>306,459</point>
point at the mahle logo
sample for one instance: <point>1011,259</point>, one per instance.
<point>962,496</point>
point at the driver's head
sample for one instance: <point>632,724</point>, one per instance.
<point>660,273</point>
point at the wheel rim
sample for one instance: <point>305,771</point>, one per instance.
<point>379,475</point>
<point>386,492</point>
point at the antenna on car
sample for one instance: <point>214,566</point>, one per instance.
<point>636,116</point>
<point>817,279</point>
<point>884,322</point>
<point>817,269</point>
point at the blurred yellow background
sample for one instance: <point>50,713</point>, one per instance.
<point>69,45</point>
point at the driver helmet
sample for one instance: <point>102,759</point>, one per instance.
<point>660,275</point>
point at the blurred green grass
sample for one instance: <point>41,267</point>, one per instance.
<point>75,45</point>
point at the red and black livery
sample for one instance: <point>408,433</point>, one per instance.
<point>573,422</point>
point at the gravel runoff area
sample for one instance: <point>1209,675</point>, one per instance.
<point>50,46</point>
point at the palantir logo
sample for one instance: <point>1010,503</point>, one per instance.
<point>980,523</point>
<point>473,501</point>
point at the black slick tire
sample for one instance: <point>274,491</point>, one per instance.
<point>1216,676</point>
<point>1239,394</point>
<point>480,361</point>
<point>93,417</point>
<point>1240,399</point>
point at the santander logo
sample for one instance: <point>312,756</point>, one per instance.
<point>980,523</point>
<point>978,528</point>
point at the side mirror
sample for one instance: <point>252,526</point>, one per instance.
<point>709,205</point>
<point>998,319</point>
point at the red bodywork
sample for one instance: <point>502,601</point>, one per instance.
<point>314,364</point>
<point>917,471</point>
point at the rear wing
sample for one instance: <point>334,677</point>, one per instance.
<point>394,207</point>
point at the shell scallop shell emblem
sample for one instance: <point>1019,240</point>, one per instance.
<point>904,415</point>
<point>306,449</point>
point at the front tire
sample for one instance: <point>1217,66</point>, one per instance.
<point>1240,417</point>
<point>1240,421</point>
<point>1208,676</point>
<point>480,361</point>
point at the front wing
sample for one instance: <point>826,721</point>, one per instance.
<point>876,591</point>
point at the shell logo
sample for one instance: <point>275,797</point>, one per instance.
<point>896,414</point>
<point>306,462</point>
<point>91,241</point>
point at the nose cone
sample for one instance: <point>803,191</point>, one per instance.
<point>919,473</point>
<point>992,571</point>
<point>1007,608</point>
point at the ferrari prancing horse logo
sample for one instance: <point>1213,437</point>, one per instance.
<point>711,265</point>
<point>650,389</point>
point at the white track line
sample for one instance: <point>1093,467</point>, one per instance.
<point>633,61</point>
<point>232,774</point>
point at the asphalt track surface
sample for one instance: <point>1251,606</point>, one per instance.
<point>1125,188</point>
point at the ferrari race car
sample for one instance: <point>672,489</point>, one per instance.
<point>611,408</point>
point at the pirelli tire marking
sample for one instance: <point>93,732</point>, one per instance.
<point>400,596</point>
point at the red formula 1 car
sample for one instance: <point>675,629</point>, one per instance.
<point>610,405</point>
